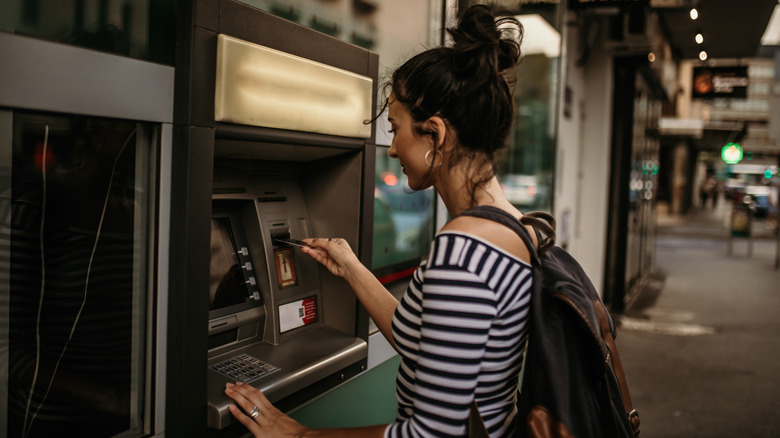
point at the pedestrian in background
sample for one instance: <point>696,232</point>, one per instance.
<point>709,190</point>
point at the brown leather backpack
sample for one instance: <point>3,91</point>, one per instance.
<point>573,383</point>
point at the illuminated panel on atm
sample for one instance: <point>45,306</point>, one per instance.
<point>260,86</point>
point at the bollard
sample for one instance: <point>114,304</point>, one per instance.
<point>740,225</point>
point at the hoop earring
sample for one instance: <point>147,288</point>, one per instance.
<point>434,158</point>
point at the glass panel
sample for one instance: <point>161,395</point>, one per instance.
<point>403,219</point>
<point>143,29</point>
<point>75,225</point>
<point>392,29</point>
<point>526,173</point>
<point>643,184</point>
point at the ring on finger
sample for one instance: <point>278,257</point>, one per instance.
<point>254,412</point>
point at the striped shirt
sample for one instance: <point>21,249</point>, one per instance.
<point>461,331</point>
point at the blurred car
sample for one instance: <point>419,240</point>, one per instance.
<point>734,189</point>
<point>403,221</point>
<point>760,206</point>
<point>757,199</point>
<point>523,190</point>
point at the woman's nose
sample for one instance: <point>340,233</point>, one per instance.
<point>392,153</point>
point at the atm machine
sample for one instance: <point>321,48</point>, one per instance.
<point>278,119</point>
<point>275,320</point>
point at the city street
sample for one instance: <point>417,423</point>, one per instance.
<point>701,343</point>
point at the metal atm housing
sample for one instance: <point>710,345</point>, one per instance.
<point>274,317</point>
<point>299,322</point>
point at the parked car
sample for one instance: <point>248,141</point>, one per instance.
<point>757,199</point>
<point>524,190</point>
<point>734,189</point>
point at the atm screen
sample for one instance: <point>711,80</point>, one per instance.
<point>228,284</point>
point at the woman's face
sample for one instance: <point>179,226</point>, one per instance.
<point>409,147</point>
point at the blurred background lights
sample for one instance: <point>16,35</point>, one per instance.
<point>651,56</point>
<point>699,38</point>
<point>694,14</point>
<point>703,55</point>
<point>390,179</point>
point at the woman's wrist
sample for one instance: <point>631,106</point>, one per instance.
<point>353,272</point>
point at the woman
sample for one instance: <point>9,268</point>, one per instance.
<point>461,326</point>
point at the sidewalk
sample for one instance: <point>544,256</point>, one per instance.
<point>700,349</point>
<point>703,224</point>
<point>710,222</point>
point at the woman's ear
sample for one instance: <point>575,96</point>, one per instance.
<point>438,129</point>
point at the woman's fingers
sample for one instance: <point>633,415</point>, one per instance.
<point>325,243</point>
<point>314,249</point>
<point>333,253</point>
<point>253,394</point>
<point>247,400</point>
<point>268,421</point>
<point>315,252</point>
<point>247,421</point>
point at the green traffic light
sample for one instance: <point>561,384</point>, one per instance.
<point>731,153</point>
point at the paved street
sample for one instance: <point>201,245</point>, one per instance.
<point>701,345</point>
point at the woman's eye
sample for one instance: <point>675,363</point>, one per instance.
<point>392,131</point>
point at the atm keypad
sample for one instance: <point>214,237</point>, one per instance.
<point>244,368</point>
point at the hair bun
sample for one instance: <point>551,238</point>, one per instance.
<point>484,43</point>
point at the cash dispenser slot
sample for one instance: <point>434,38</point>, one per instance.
<point>271,196</point>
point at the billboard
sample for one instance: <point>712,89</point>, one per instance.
<point>712,82</point>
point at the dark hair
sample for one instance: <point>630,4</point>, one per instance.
<point>465,86</point>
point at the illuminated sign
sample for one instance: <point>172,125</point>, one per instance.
<point>712,82</point>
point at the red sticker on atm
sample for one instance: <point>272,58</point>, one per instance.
<point>297,314</point>
<point>285,267</point>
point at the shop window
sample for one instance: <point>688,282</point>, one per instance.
<point>76,195</point>
<point>526,172</point>
<point>143,29</point>
<point>403,220</point>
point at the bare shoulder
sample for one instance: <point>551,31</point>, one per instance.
<point>492,232</point>
<point>466,224</point>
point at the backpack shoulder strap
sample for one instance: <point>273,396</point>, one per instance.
<point>544,225</point>
<point>498,215</point>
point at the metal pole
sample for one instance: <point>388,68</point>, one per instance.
<point>750,234</point>
<point>777,248</point>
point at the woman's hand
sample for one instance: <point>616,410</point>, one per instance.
<point>337,256</point>
<point>260,416</point>
<point>334,254</point>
